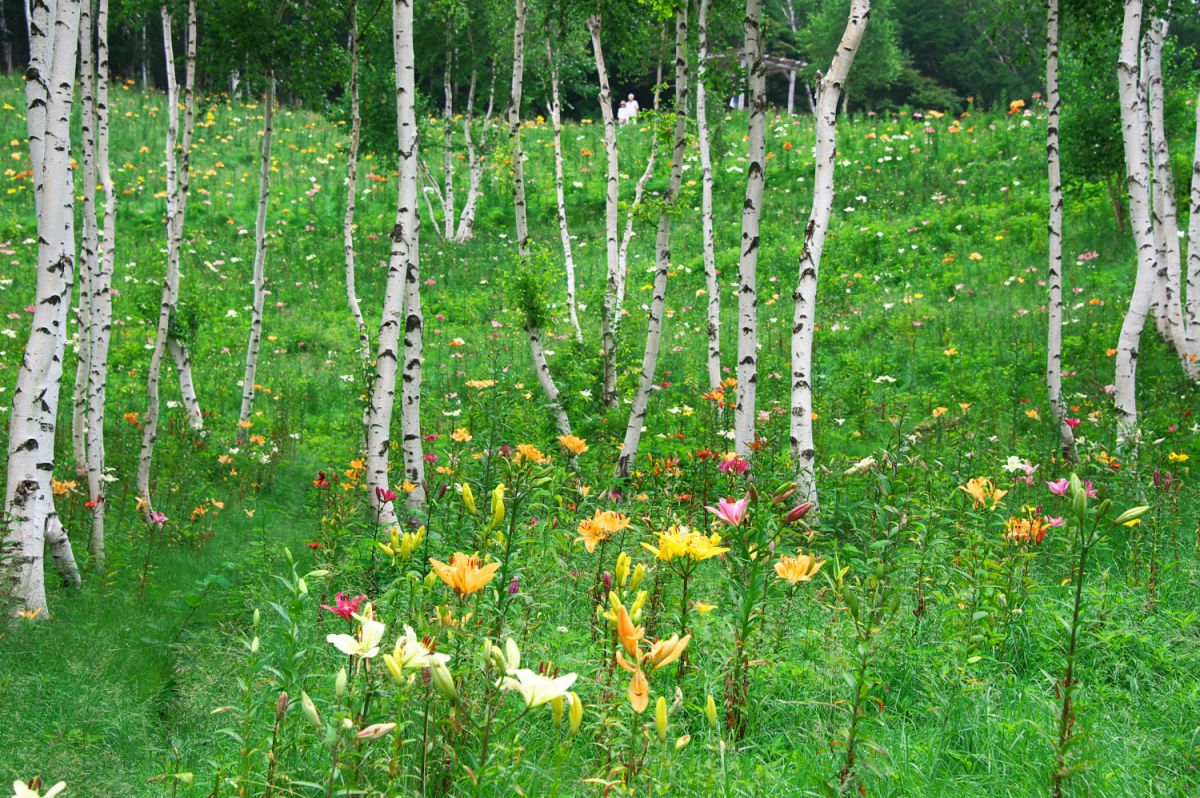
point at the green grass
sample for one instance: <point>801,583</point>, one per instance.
<point>126,681</point>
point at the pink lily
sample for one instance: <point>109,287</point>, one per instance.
<point>1059,487</point>
<point>730,511</point>
<point>346,606</point>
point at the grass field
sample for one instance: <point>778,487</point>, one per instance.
<point>929,358</point>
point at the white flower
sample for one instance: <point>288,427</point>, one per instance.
<point>865,464</point>
<point>23,790</point>
<point>410,652</point>
<point>1014,464</point>
<point>365,645</point>
<point>882,378</point>
<point>537,689</point>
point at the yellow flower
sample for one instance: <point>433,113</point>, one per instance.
<point>801,568</point>
<point>939,411</point>
<point>983,492</point>
<point>1177,457</point>
<point>528,452</point>
<point>465,574</point>
<point>602,525</point>
<point>573,444</point>
<point>679,542</point>
<point>703,607</point>
<point>461,435</point>
<point>664,652</point>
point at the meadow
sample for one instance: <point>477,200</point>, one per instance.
<point>931,642</point>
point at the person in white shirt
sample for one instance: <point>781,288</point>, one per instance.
<point>622,113</point>
<point>631,109</point>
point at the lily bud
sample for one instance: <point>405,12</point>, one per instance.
<point>753,494</point>
<point>1130,515</point>
<point>431,579</point>
<point>468,499</point>
<point>622,569</point>
<point>710,711</point>
<point>783,493</point>
<point>310,709</point>
<point>574,714</point>
<point>635,611</point>
<point>660,718</point>
<point>340,684</point>
<point>639,574</point>
<point>254,644</point>
<point>1078,498</point>
<point>557,705</point>
<point>302,586</point>
<point>797,512</point>
<point>281,706</point>
<point>682,742</point>
<point>257,617</point>
<point>442,679</point>
<point>497,505</point>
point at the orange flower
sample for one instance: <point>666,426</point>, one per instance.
<point>465,574</point>
<point>801,568</point>
<point>664,652</point>
<point>600,527</point>
<point>573,444</point>
<point>628,633</point>
<point>527,452</point>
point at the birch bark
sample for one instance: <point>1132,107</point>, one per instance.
<point>404,255</point>
<point>260,258</point>
<point>1054,274</point>
<point>711,279</point>
<point>747,350</point>
<point>89,243</point>
<point>662,247</point>
<point>101,301</point>
<point>829,90</point>
<point>466,222</point>
<point>611,196</point>
<point>1137,168</point>
<point>448,136</point>
<point>564,229</point>
<point>364,341</point>
<point>1193,257</point>
<point>183,361</point>
<point>33,524</point>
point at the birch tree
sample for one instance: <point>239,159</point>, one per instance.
<point>360,323</point>
<point>1054,272</point>
<point>1135,137</point>
<point>475,158</point>
<point>260,257</point>
<point>564,229</point>
<point>448,130</point>
<point>33,524</point>
<point>747,350</point>
<point>170,292</point>
<point>402,262</point>
<point>1192,308</point>
<point>176,347</point>
<point>89,241</point>
<point>611,219</point>
<point>100,330</point>
<point>662,248</point>
<point>829,92</point>
<point>533,320</point>
<point>707,238</point>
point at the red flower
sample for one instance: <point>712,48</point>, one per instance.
<point>346,606</point>
<point>321,481</point>
<point>314,545</point>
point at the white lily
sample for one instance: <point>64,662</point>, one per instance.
<point>366,644</point>
<point>23,790</point>
<point>535,688</point>
<point>410,652</point>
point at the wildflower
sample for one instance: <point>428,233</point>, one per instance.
<point>385,495</point>
<point>30,790</point>
<point>861,467</point>
<point>366,643</point>
<point>573,444</point>
<point>663,652</point>
<point>602,525</point>
<point>733,462</point>
<point>527,452</point>
<point>465,574</point>
<point>983,492</point>
<point>497,505</point>
<point>461,435</point>
<point>730,511</point>
<point>410,653</point>
<point>535,688</point>
<point>797,512</point>
<point>1026,530</point>
<point>1177,457</point>
<point>639,691</point>
<point>402,546</point>
<point>375,731</point>
<point>679,542</point>
<point>801,568</point>
<point>345,606</point>
<point>574,714</point>
<point>157,518</point>
<point>1059,487</point>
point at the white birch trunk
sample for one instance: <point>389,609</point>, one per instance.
<point>662,248</point>
<point>829,90</point>
<point>1170,265</point>
<point>747,349</point>
<point>1054,274</point>
<point>466,222</point>
<point>364,342</point>
<point>176,347</point>
<point>260,258</point>
<point>536,352</point>
<point>711,281</point>
<point>404,254</point>
<point>611,310</point>
<point>170,292</point>
<point>1193,257</point>
<point>1137,169</point>
<point>89,241</point>
<point>564,229</point>
<point>33,524</point>
<point>101,301</point>
<point>448,137</point>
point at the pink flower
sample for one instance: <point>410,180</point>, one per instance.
<point>157,518</point>
<point>1072,422</point>
<point>1054,521</point>
<point>737,465</point>
<point>346,606</point>
<point>385,495</point>
<point>730,511</point>
<point>1089,490</point>
<point>1059,487</point>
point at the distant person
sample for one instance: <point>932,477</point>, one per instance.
<point>631,108</point>
<point>622,113</point>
